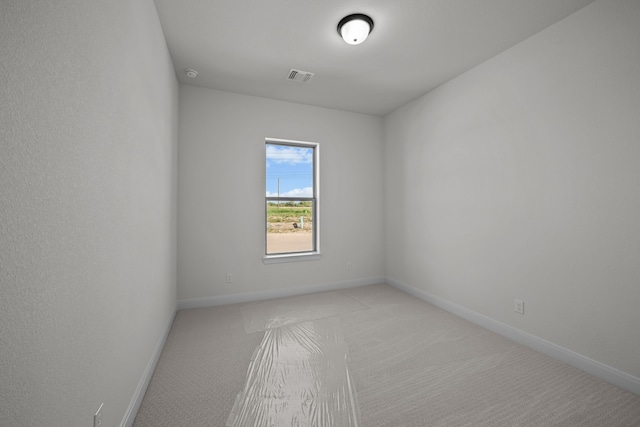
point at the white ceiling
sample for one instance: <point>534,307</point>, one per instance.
<point>249,46</point>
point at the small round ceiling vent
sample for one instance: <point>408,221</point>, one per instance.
<point>190,72</point>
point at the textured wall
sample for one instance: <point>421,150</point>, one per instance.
<point>88,131</point>
<point>519,179</point>
<point>222,188</point>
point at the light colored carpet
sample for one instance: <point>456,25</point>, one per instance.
<point>412,364</point>
<point>298,377</point>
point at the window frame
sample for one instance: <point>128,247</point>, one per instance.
<point>315,253</point>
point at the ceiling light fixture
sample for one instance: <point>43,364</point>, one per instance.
<point>190,72</point>
<point>355,29</point>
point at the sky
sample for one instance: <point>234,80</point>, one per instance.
<point>294,167</point>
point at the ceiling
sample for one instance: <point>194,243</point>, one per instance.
<point>249,46</point>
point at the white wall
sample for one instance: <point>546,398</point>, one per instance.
<point>221,191</point>
<point>520,179</point>
<point>88,132</point>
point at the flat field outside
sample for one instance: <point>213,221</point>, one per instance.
<point>289,228</point>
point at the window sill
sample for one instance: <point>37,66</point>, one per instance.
<point>277,259</point>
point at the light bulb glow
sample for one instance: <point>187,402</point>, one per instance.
<point>355,28</point>
<point>355,32</point>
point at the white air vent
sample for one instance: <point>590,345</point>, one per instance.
<point>300,76</point>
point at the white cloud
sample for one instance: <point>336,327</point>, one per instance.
<point>296,192</point>
<point>289,155</point>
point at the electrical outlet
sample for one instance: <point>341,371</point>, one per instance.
<point>518,306</point>
<point>97,417</point>
<point>349,266</point>
<point>229,277</point>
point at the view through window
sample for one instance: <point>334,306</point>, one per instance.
<point>291,197</point>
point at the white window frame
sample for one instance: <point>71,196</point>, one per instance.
<point>314,254</point>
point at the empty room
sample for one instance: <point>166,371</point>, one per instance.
<point>319,213</point>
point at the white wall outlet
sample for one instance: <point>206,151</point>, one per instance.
<point>97,417</point>
<point>229,277</point>
<point>518,306</point>
<point>349,266</point>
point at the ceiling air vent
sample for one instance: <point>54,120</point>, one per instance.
<point>299,76</point>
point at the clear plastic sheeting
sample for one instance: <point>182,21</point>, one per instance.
<point>263,315</point>
<point>298,377</point>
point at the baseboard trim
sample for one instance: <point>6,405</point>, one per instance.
<point>136,401</point>
<point>591,366</point>
<point>276,293</point>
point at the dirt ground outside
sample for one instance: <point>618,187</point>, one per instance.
<point>290,241</point>
<point>289,228</point>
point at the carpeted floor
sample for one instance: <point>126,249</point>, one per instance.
<point>411,364</point>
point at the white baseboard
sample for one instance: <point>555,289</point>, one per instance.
<point>276,293</point>
<point>136,401</point>
<point>593,367</point>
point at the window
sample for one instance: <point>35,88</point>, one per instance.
<point>291,201</point>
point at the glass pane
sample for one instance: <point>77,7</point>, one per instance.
<point>289,171</point>
<point>289,227</point>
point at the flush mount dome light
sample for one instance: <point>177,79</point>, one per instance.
<point>355,29</point>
